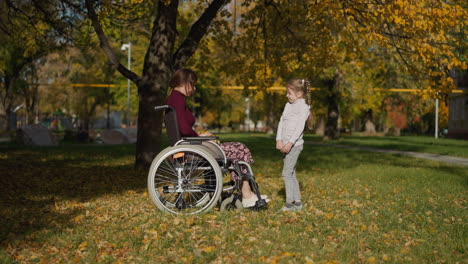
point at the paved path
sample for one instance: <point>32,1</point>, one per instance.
<point>430,156</point>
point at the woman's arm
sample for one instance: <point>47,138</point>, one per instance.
<point>184,120</point>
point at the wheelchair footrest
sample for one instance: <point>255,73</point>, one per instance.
<point>259,205</point>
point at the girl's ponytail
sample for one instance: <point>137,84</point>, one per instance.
<point>306,88</point>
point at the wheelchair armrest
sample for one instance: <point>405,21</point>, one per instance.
<point>200,139</point>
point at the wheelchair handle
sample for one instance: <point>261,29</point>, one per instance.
<point>163,107</point>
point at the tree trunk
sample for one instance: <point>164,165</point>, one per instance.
<point>9,119</point>
<point>107,108</point>
<point>31,101</point>
<point>7,100</point>
<point>149,128</point>
<point>331,126</point>
<point>320,125</point>
<point>397,131</point>
<point>271,120</point>
<point>369,126</point>
<point>157,72</point>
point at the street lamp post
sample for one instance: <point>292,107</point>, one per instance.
<point>247,114</point>
<point>129,47</point>
<point>436,130</point>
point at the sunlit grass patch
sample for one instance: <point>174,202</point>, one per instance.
<point>442,146</point>
<point>85,204</point>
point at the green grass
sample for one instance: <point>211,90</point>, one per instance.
<point>86,204</point>
<point>442,146</point>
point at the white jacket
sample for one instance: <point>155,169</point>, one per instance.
<point>292,122</point>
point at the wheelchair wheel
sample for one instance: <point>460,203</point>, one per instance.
<point>184,180</point>
<point>227,204</point>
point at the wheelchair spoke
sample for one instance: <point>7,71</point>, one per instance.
<point>192,166</point>
<point>169,166</point>
<point>168,172</point>
<point>167,177</point>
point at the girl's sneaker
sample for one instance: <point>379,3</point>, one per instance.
<point>293,207</point>
<point>288,207</point>
<point>298,206</point>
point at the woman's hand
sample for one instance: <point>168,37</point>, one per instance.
<point>279,145</point>
<point>286,148</point>
<point>205,134</point>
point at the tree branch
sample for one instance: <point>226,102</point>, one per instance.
<point>286,25</point>
<point>104,43</point>
<point>198,30</point>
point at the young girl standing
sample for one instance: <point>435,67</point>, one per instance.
<point>289,138</point>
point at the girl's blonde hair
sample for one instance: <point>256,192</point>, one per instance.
<point>300,85</point>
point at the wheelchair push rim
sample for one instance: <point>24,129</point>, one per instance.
<point>184,180</point>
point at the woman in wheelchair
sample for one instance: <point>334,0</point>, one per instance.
<point>188,177</point>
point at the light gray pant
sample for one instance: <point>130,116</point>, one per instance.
<point>289,174</point>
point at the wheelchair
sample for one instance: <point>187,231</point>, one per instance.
<point>193,174</point>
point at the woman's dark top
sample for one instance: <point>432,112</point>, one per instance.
<point>185,118</point>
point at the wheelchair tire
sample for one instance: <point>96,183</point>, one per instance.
<point>184,180</point>
<point>227,204</point>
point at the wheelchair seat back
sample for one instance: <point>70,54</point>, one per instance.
<point>172,128</point>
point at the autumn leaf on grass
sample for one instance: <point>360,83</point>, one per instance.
<point>82,246</point>
<point>187,259</point>
<point>208,249</point>
<point>275,259</point>
<point>78,218</point>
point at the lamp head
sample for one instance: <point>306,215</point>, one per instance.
<point>124,47</point>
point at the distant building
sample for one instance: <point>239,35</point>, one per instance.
<point>458,108</point>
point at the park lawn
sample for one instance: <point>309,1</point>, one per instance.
<point>442,146</point>
<point>86,203</point>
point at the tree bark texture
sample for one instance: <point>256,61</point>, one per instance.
<point>160,63</point>
<point>271,99</point>
<point>31,95</point>
<point>7,99</point>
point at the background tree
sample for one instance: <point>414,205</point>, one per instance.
<point>27,35</point>
<point>17,62</point>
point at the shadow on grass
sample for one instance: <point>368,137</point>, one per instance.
<point>37,182</point>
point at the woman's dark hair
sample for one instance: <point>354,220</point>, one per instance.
<point>182,77</point>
